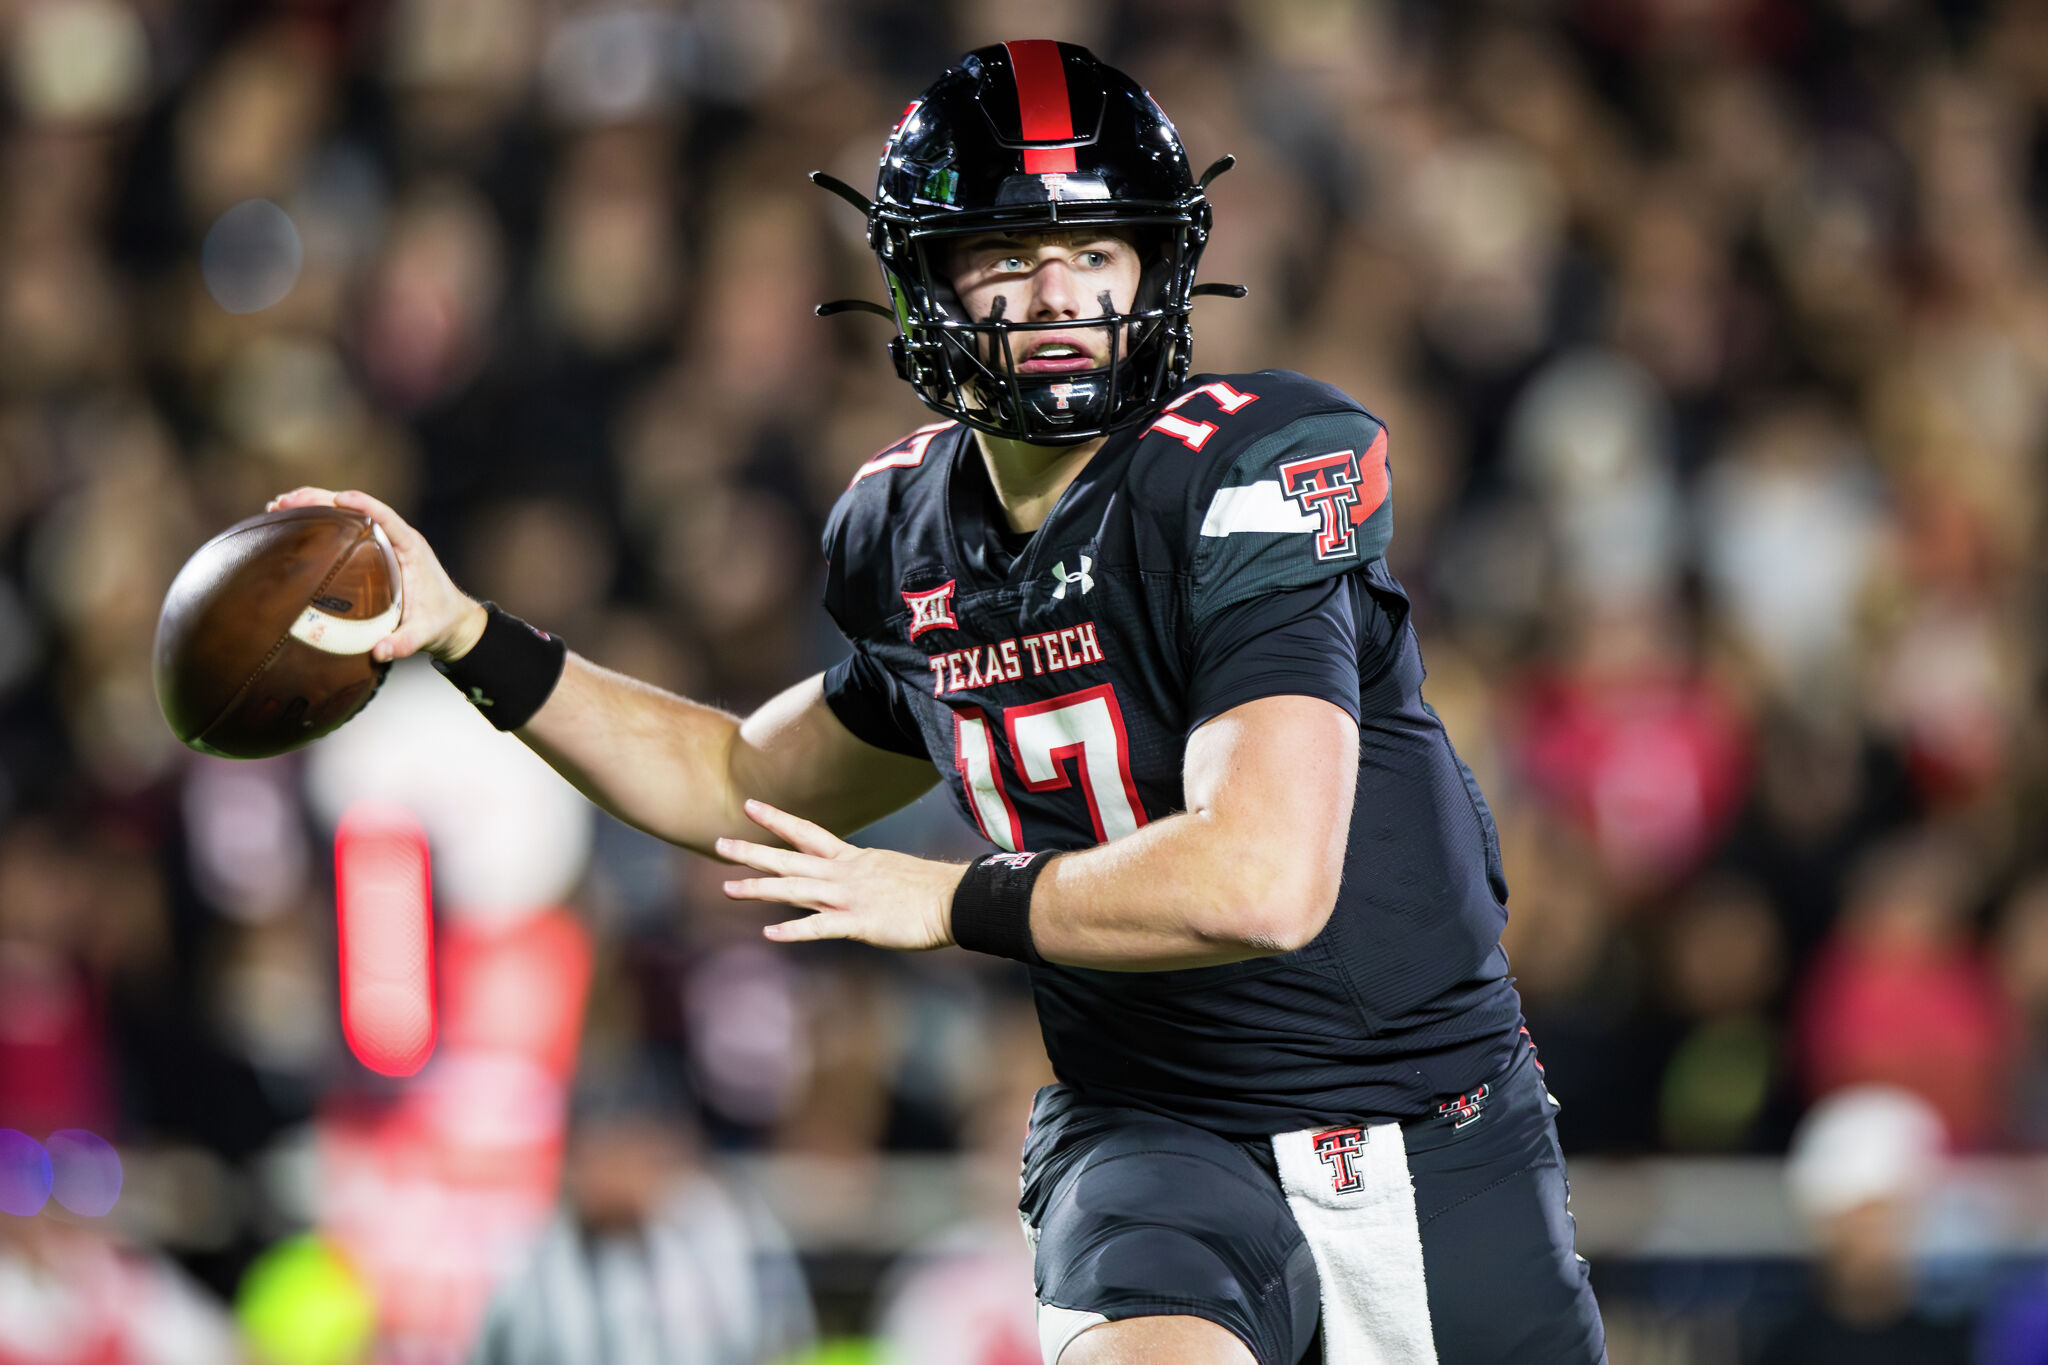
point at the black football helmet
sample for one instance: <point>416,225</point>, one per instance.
<point>1034,136</point>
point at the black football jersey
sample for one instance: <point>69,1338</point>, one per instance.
<point>1054,681</point>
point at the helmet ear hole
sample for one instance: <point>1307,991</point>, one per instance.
<point>1152,282</point>
<point>936,282</point>
<point>948,299</point>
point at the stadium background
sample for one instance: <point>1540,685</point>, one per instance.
<point>1713,338</point>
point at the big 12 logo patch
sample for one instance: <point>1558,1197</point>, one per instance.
<point>931,610</point>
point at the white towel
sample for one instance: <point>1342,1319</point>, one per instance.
<point>1352,1196</point>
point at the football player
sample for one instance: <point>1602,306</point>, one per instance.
<point>1140,623</point>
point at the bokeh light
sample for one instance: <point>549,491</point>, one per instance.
<point>251,256</point>
<point>843,1351</point>
<point>79,61</point>
<point>302,1303</point>
<point>24,1174</point>
<point>85,1172</point>
<point>385,917</point>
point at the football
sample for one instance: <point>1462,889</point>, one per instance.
<point>264,640</point>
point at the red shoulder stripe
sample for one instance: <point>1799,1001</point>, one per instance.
<point>1373,480</point>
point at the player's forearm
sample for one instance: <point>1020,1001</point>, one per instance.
<point>655,760</point>
<point>1193,890</point>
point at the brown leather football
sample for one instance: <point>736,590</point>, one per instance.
<point>264,640</point>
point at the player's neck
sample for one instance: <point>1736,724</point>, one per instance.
<point>1029,479</point>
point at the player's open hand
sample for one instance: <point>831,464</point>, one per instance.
<point>891,900</point>
<point>438,617</point>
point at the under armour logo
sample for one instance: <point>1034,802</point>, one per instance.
<point>477,698</point>
<point>1084,578</point>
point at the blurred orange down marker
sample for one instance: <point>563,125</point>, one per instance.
<point>384,911</point>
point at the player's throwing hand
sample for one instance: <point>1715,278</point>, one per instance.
<point>439,617</point>
<point>891,900</point>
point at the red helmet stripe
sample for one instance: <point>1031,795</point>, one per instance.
<point>1042,104</point>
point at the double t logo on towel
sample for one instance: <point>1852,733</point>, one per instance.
<point>1339,1148</point>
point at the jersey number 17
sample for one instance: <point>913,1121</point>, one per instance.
<point>1086,726</point>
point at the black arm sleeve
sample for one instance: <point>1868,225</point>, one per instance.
<point>1317,641</point>
<point>870,703</point>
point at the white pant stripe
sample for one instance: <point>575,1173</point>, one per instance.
<point>1057,1328</point>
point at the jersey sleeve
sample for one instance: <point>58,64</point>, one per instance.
<point>1322,641</point>
<point>869,702</point>
<point>1300,505</point>
<point>837,594</point>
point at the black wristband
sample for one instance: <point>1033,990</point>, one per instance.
<point>510,671</point>
<point>992,905</point>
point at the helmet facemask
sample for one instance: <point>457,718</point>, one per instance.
<point>966,368</point>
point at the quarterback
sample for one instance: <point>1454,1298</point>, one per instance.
<point>1139,622</point>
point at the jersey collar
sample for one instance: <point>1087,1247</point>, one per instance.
<point>975,519</point>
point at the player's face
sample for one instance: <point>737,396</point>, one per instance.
<point>1049,277</point>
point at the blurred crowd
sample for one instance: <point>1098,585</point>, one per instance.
<point>1713,341</point>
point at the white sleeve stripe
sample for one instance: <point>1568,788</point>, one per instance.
<point>1255,507</point>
